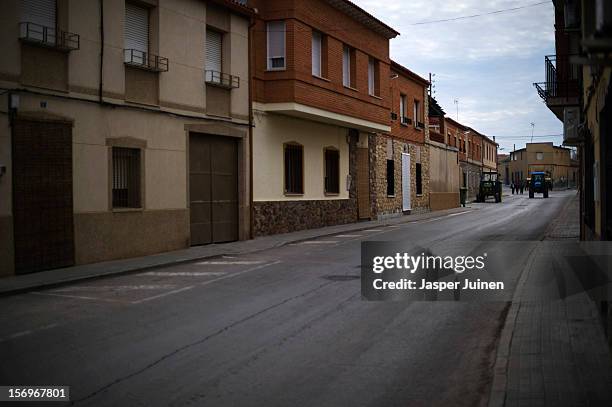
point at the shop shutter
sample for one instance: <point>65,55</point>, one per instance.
<point>136,32</point>
<point>214,46</point>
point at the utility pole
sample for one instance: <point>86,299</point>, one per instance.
<point>457,103</point>
<point>532,128</point>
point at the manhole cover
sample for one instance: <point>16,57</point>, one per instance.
<point>342,278</point>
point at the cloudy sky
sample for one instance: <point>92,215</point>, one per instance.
<point>488,63</point>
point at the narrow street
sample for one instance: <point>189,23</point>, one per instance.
<point>284,327</point>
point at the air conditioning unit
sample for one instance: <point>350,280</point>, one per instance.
<point>571,122</point>
<point>603,17</point>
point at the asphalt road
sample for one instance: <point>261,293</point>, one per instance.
<point>284,327</point>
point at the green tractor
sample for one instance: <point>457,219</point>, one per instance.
<point>490,185</point>
<point>538,184</point>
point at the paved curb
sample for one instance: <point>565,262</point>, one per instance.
<point>497,396</point>
<point>127,266</point>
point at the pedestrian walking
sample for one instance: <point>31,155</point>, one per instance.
<point>522,184</point>
<point>512,186</point>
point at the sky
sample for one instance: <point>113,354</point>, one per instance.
<point>488,63</point>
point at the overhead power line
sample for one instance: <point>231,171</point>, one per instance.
<point>506,10</point>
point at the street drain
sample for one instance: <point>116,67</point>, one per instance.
<point>342,278</point>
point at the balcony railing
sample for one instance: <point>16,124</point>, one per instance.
<point>145,60</point>
<point>561,78</point>
<point>48,36</point>
<point>221,79</point>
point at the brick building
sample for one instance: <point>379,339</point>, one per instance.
<point>400,159</point>
<point>320,96</point>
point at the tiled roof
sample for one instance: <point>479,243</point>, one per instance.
<point>365,18</point>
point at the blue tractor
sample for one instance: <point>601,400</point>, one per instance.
<point>538,184</point>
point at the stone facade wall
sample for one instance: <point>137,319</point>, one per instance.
<point>290,216</point>
<point>381,148</point>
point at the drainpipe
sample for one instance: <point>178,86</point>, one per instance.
<point>249,62</point>
<point>101,51</point>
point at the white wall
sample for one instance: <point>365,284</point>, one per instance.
<point>271,132</point>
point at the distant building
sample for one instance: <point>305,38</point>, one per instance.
<point>557,162</point>
<point>503,168</point>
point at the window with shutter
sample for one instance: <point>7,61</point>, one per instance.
<point>276,45</point>
<point>316,53</point>
<point>136,34</point>
<point>214,51</point>
<point>41,13</point>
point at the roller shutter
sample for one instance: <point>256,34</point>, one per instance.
<point>39,12</point>
<point>214,43</point>
<point>136,32</point>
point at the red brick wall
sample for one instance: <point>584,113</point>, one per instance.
<point>413,91</point>
<point>296,83</point>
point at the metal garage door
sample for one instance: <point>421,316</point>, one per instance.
<point>213,189</point>
<point>42,195</point>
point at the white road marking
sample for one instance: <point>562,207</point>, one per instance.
<point>180,290</point>
<point>214,280</point>
<point>78,297</point>
<point>349,236</point>
<point>319,242</point>
<point>183,273</point>
<point>373,230</point>
<point>114,288</point>
<point>27,332</point>
<point>228,263</point>
<point>444,217</point>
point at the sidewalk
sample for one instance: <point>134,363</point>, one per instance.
<point>22,283</point>
<point>553,353</point>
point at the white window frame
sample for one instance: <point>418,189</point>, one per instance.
<point>371,77</point>
<point>403,103</point>
<point>317,44</point>
<point>271,29</point>
<point>346,66</point>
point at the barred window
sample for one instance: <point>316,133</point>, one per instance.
<point>390,177</point>
<point>126,177</point>
<point>294,169</point>
<point>332,171</point>
<point>419,179</point>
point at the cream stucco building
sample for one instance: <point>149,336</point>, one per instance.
<point>123,129</point>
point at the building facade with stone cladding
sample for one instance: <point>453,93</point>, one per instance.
<point>315,107</point>
<point>407,141</point>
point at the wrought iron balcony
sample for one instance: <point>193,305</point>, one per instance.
<point>221,79</point>
<point>145,60</point>
<point>48,36</point>
<point>561,80</point>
